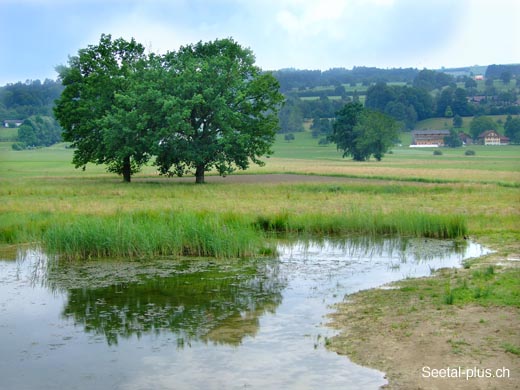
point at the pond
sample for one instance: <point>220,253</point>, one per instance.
<point>197,323</point>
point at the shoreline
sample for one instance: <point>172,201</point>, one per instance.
<point>420,342</point>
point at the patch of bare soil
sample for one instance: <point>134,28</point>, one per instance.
<point>421,344</point>
<point>275,178</point>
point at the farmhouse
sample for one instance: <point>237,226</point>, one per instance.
<point>12,123</point>
<point>491,137</point>
<point>428,138</point>
<point>465,138</point>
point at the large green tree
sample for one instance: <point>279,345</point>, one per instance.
<point>99,108</point>
<point>375,133</point>
<point>343,130</point>
<point>361,132</point>
<point>220,110</point>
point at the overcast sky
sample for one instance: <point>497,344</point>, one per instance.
<point>38,35</point>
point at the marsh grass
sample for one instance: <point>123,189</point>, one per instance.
<point>144,234</point>
<point>366,222</point>
<point>486,286</point>
<point>206,233</point>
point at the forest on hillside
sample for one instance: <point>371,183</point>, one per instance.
<point>408,95</point>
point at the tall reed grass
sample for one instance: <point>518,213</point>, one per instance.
<point>211,234</point>
<point>415,224</point>
<point>148,233</point>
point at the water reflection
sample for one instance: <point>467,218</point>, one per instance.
<point>197,323</point>
<point>198,300</point>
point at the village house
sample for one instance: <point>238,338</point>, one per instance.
<point>12,123</point>
<point>491,137</point>
<point>428,138</point>
<point>478,99</point>
<point>465,138</point>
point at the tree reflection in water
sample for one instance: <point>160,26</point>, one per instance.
<point>211,301</point>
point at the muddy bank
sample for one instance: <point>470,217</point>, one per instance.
<point>420,342</point>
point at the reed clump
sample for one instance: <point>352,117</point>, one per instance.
<point>149,233</point>
<point>372,223</point>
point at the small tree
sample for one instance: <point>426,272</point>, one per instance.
<point>453,140</point>
<point>289,137</point>
<point>512,127</point>
<point>375,134</point>
<point>343,130</point>
<point>457,121</point>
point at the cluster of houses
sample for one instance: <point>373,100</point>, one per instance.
<point>435,138</point>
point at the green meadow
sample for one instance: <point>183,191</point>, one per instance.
<point>44,200</point>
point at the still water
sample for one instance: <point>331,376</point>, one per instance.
<point>197,323</point>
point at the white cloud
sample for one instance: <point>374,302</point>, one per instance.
<point>488,34</point>
<point>300,18</point>
<point>312,34</point>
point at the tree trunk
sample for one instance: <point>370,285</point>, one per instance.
<point>127,170</point>
<point>199,174</point>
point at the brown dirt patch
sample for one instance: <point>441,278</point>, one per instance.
<point>276,178</point>
<point>408,336</point>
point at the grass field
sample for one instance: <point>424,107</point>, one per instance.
<point>40,188</point>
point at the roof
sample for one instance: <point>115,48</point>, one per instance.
<point>431,132</point>
<point>488,133</point>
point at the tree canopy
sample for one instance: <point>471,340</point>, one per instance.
<point>96,109</point>
<point>361,132</point>
<point>222,111</point>
<point>38,131</point>
<point>205,106</point>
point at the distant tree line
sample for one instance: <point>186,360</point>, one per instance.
<point>503,72</point>
<point>426,94</point>
<point>319,95</point>
<point>22,100</point>
<point>292,79</point>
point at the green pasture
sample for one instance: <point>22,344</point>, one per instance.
<point>8,134</point>
<point>490,163</point>
<point>410,192</point>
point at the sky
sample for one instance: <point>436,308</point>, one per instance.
<point>38,35</point>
